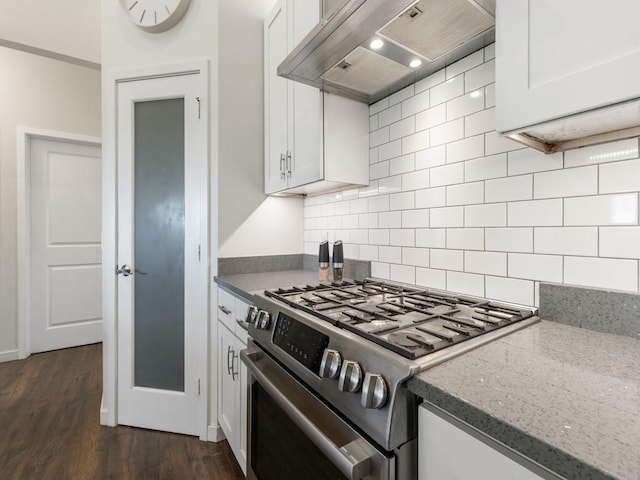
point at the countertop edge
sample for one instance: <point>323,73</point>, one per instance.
<point>248,296</point>
<point>546,455</point>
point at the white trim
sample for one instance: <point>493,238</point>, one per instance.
<point>24,137</point>
<point>103,412</point>
<point>215,433</point>
<point>109,230</point>
<point>9,355</point>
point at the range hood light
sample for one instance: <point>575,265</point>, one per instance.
<point>415,63</point>
<point>376,44</point>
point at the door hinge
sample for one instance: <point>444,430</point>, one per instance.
<point>198,252</point>
<point>198,386</point>
<point>198,100</point>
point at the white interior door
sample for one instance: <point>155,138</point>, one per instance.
<point>64,241</point>
<point>162,303</point>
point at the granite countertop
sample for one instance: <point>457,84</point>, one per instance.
<point>246,284</point>
<point>565,397</point>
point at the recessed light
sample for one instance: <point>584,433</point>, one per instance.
<point>415,63</point>
<point>376,44</point>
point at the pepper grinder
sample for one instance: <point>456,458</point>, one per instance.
<point>323,261</point>
<point>338,261</point>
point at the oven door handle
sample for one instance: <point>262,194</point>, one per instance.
<point>351,459</point>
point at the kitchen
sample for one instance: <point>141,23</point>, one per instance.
<point>491,219</point>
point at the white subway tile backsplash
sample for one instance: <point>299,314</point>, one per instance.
<point>401,201</point>
<point>541,213</point>
<point>451,88</point>
<point>485,168</point>
<point>528,160</point>
<point>509,189</point>
<point>402,128</point>
<point>453,205</point>
<point>447,132</point>
<point>465,64</point>
<point>415,142</point>
<point>415,180</point>
<point>418,257</point>
<point>620,177</point>
<point>486,263</point>
<point>480,76</point>
<point>571,182</point>
<point>607,152</point>
<point>509,239</point>
<point>431,81</point>
<point>602,210</point>
<point>390,219</point>
<point>546,268</point>
<point>403,164</point>
<point>390,254</point>
<point>566,240</point>
<point>431,197</point>
<point>480,122</point>
<point>602,272</point>
<point>401,95</point>
<point>471,147</point>
<point>490,215</point>
<point>415,104</point>
<point>620,242</point>
<point>431,157</point>
<point>415,218</point>
<point>431,117</point>
<point>465,193</point>
<point>447,217</point>
<point>447,174</point>
<point>465,104</point>
<point>465,238</point>
<point>402,237</point>
<point>429,277</point>
<point>446,259</point>
<point>403,273</point>
<point>431,238</point>
<point>389,150</point>
<point>467,283</point>
<point>510,290</point>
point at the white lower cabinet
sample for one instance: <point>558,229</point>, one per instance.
<point>232,377</point>
<point>447,452</point>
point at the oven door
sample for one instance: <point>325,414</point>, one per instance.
<point>293,435</point>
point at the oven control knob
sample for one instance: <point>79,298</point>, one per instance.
<point>263,321</point>
<point>330,364</point>
<point>350,377</point>
<point>374,391</point>
<point>252,314</point>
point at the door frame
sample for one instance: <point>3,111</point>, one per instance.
<point>24,137</point>
<point>109,406</point>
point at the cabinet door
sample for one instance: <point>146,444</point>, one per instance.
<point>227,403</point>
<point>276,97</point>
<point>440,444</point>
<point>305,111</point>
<point>555,58</point>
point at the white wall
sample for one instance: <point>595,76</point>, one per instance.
<point>70,27</point>
<point>43,93</point>
<point>452,205</point>
<point>250,222</point>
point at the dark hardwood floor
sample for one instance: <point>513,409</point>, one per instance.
<point>49,429</point>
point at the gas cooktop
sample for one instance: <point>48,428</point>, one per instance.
<point>411,321</point>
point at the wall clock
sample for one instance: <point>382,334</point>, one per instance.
<point>155,15</point>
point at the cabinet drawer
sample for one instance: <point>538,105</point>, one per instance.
<point>227,309</point>
<point>241,316</point>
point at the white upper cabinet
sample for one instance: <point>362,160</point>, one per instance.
<point>557,60</point>
<point>301,155</point>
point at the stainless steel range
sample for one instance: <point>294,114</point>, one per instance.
<point>328,369</point>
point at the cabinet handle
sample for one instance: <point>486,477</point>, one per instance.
<point>289,164</point>
<point>282,166</point>
<point>229,360</point>
<point>234,363</point>
<point>224,309</point>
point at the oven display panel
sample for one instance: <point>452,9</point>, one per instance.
<point>301,342</point>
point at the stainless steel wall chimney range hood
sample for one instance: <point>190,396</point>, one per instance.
<point>337,55</point>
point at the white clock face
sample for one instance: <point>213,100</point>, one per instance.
<point>155,15</point>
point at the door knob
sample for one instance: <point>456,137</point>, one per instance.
<point>125,270</point>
